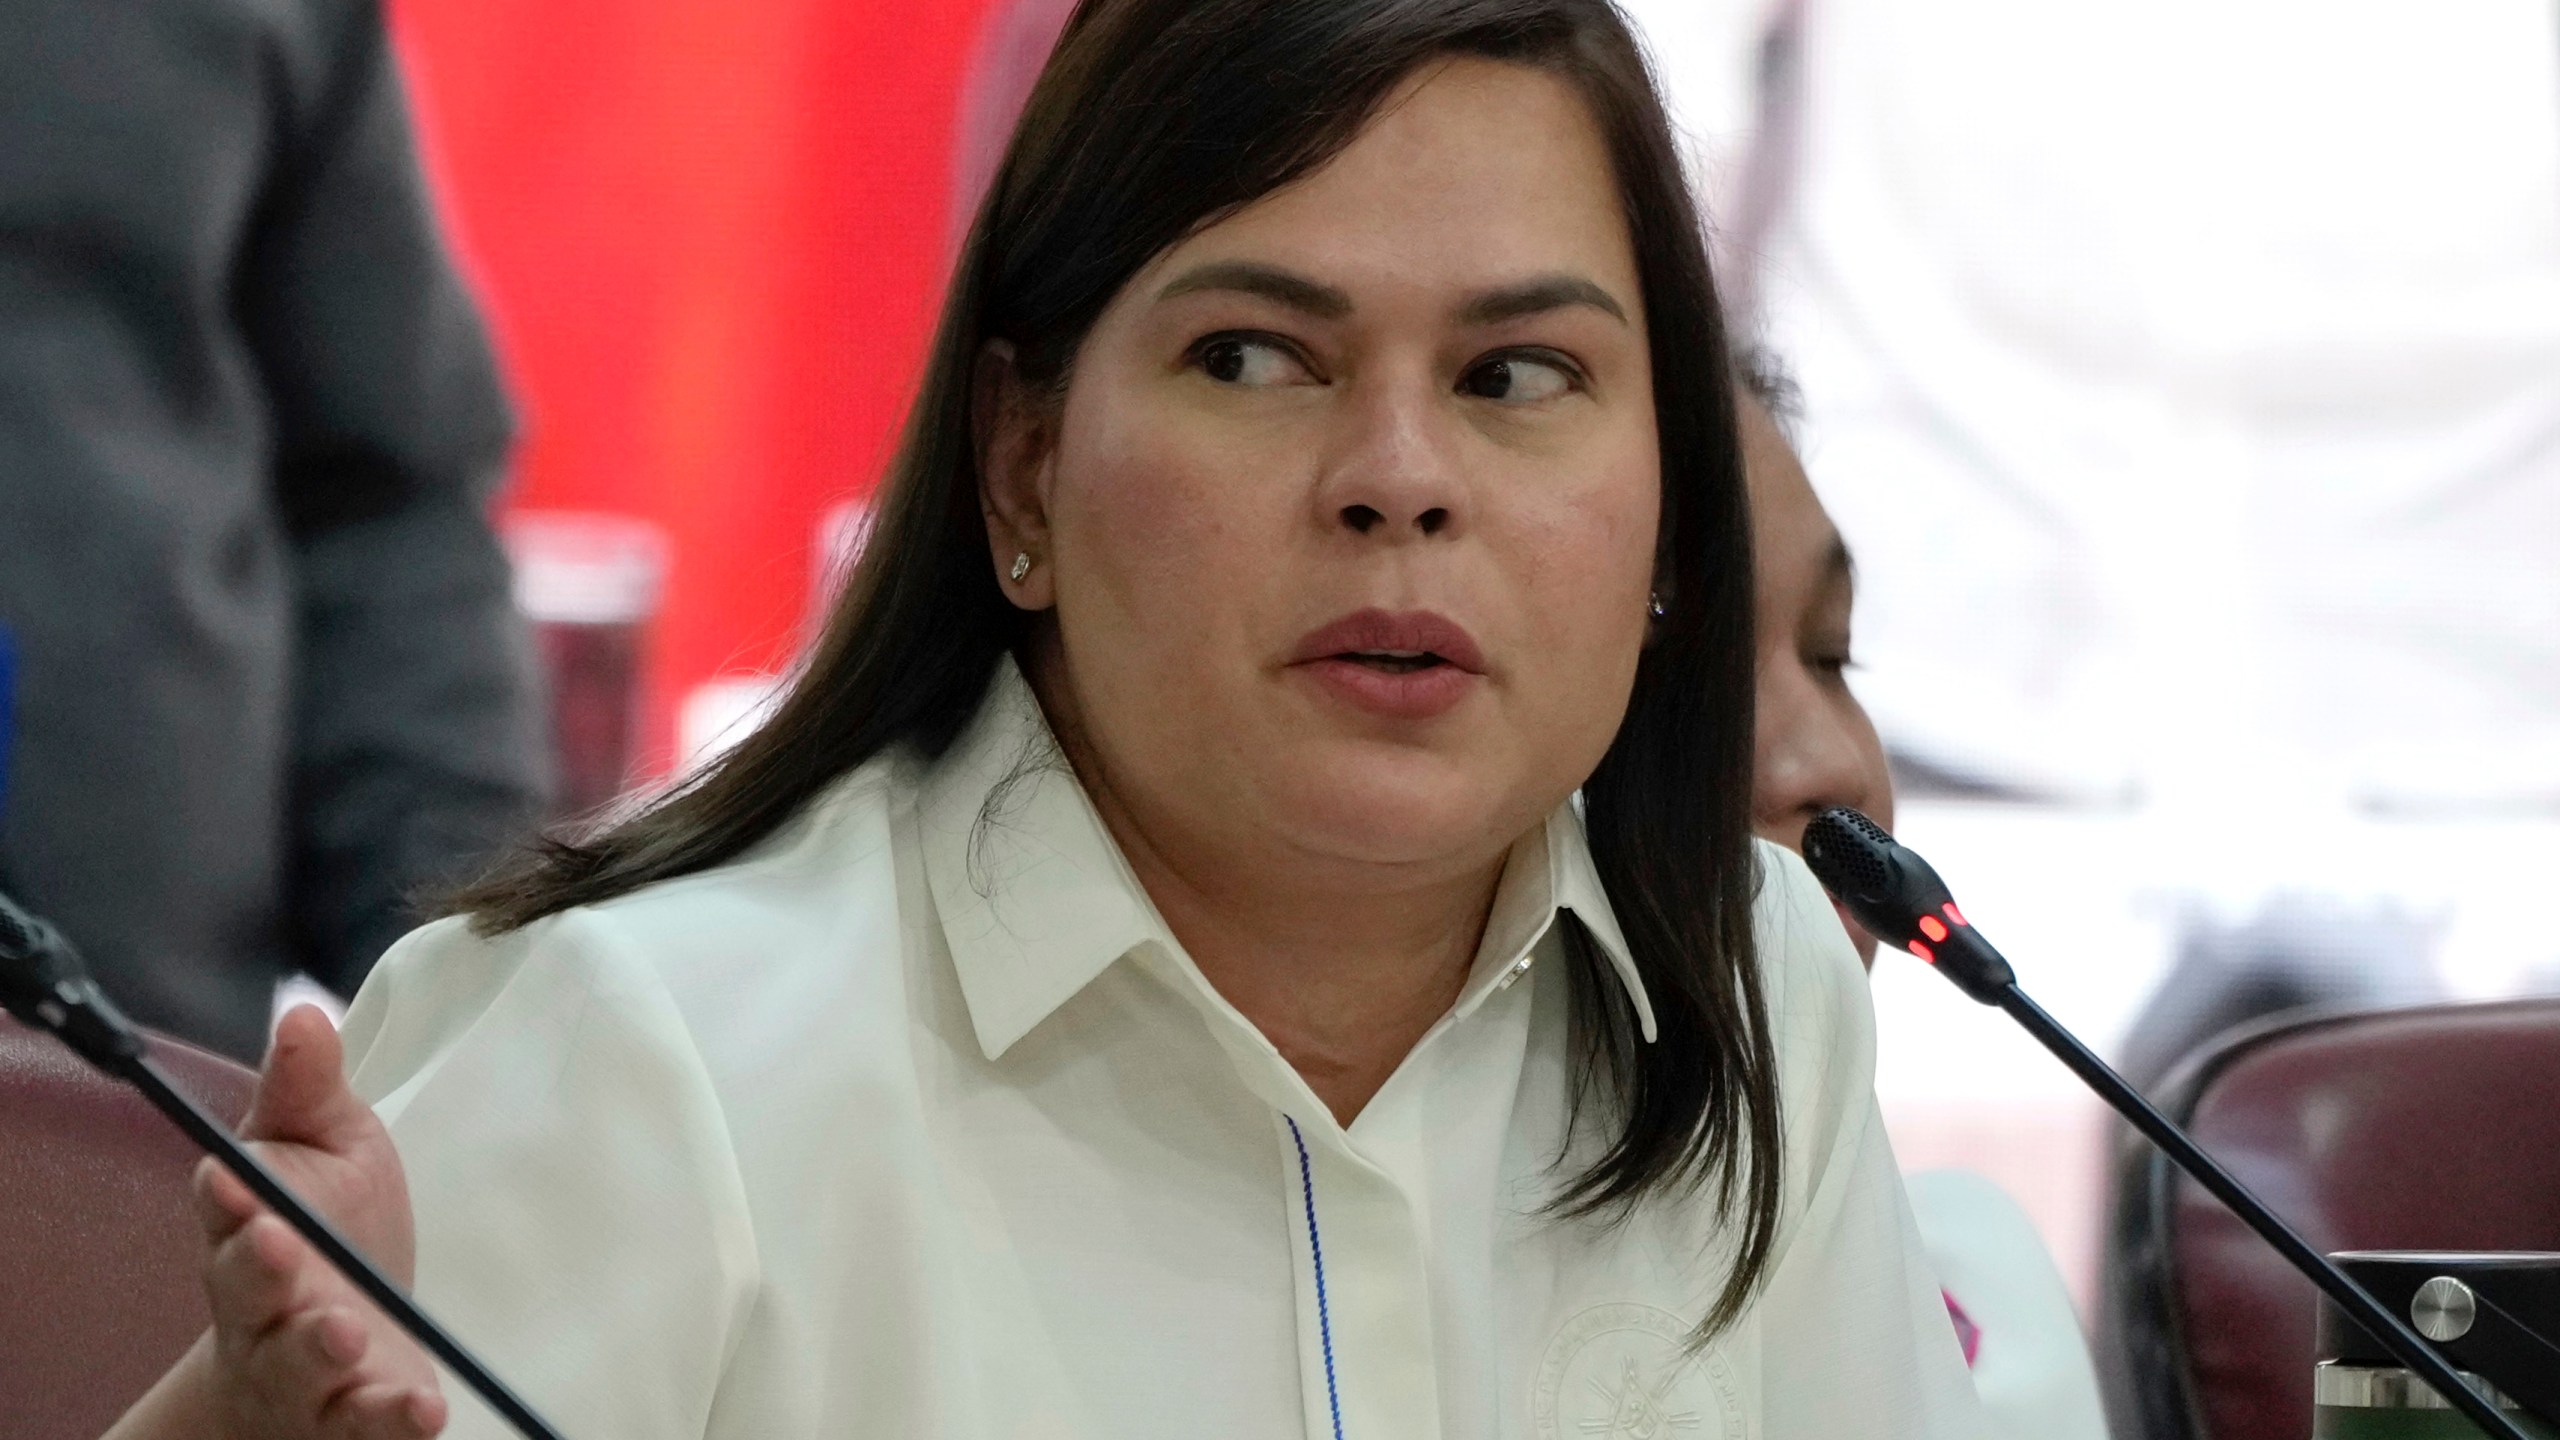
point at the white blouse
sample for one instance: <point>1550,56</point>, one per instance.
<point>917,1123</point>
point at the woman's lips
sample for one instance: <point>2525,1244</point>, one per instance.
<point>1409,665</point>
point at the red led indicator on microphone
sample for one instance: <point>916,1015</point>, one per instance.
<point>1924,952</point>
<point>1930,927</point>
<point>1954,915</point>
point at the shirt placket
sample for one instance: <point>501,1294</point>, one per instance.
<point>1365,1347</point>
<point>1358,1235</point>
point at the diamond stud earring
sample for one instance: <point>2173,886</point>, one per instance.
<point>1659,609</point>
<point>1021,565</point>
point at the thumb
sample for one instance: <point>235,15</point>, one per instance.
<point>302,1093</point>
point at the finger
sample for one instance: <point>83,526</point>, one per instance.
<point>331,1337</point>
<point>389,1412</point>
<point>298,1369</point>
<point>222,1203</point>
<point>256,1280</point>
<point>310,1358</point>
<point>302,1092</point>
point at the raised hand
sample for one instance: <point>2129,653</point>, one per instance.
<point>296,1352</point>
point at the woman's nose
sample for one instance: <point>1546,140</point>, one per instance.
<point>1394,474</point>
<point>1807,757</point>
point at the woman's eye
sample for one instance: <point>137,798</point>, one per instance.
<point>1519,379</point>
<point>1245,360</point>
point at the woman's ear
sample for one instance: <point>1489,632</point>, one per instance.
<point>1014,428</point>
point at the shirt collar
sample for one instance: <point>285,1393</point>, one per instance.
<point>1036,900</point>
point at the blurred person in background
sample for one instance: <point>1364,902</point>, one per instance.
<point>269,680</point>
<point>1813,748</point>
<point>2189,375</point>
<point>2217,440</point>
<point>2223,436</point>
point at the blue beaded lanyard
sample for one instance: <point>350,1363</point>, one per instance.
<point>1315,1248</point>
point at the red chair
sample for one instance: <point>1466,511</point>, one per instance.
<point>98,1241</point>
<point>2436,1128</point>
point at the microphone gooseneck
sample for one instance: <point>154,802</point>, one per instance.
<point>1902,902</point>
<point>44,984</point>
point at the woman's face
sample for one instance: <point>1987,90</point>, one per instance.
<point>1348,511</point>
<point>1813,746</point>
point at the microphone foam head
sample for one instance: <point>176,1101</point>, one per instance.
<point>1849,853</point>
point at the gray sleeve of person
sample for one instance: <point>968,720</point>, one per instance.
<point>416,743</point>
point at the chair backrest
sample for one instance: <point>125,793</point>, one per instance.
<point>99,1266</point>
<point>2435,1128</point>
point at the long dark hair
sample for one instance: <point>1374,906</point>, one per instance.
<point>1153,119</point>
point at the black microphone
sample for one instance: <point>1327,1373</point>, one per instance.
<point>44,984</point>
<point>1902,902</point>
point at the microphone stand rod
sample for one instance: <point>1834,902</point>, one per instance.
<point>2387,1327</point>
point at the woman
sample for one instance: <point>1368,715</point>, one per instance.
<point>1815,748</point>
<point>1151,977</point>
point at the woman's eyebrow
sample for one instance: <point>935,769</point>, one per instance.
<point>1267,281</point>
<point>1531,297</point>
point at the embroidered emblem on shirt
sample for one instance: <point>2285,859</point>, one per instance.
<point>1625,1372</point>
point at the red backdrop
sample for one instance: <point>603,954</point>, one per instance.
<point>712,235</point>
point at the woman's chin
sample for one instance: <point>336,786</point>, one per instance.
<point>1406,810</point>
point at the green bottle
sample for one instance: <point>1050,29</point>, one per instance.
<point>2494,1315</point>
